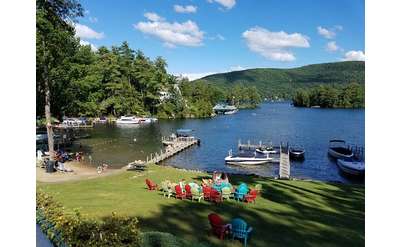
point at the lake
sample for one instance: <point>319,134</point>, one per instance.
<point>276,122</point>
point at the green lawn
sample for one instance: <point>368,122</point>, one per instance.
<point>288,213</point>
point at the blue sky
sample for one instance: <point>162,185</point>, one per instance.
<point>198,37</point>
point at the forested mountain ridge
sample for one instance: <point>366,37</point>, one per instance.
<point>283,83</point>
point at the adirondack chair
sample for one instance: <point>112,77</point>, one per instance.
<point>217,225</point>
<point>226,193</point>
<point>215,196</point>
<point>258,188</point>
<point>151,185</point>
<point>240,230</point>
<point>207,192</point>
<point>196,195</point>
<point>179,193</point>
<point>166,190</point>
<point>188,191</point>
<point>251,197</point>
<point>241,191</point>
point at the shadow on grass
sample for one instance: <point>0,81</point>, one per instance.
<point>287,214</point>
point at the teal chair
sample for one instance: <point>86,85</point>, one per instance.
<point>240,230</point>
<point>241,191</point>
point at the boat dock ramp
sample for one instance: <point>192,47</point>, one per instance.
<point>173,147</point>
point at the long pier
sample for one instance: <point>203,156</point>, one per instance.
<point>175,146</point>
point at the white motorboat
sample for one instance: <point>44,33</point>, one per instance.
<point>231,112</point>
<point>352,167</point>
<point>339,150</point>
<point>127,120</point>
<point>148,120</point>
<point>250,160</point>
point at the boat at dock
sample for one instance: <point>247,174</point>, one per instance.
<point>248,159</point>
<point>339,150</point>
<point>351,166</point>
<point>297,153</point>
<point>225,109</point>
<point>128,120</point>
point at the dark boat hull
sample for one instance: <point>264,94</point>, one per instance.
<point>296,154</point>
<point>340,153</point>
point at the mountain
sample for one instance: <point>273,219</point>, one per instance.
<point>283,83</point>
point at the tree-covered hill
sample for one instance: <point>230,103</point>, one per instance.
<point>283,83</point>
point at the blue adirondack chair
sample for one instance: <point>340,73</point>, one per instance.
<point>240,230</point>
<point>241,191</point>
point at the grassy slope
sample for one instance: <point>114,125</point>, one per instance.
<point>288,213</point>
<point>280,82</point>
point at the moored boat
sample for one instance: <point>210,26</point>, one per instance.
<point>351,166</point>
<point>247,160</point>
<point>128,120</point>
<point>339,150</point>
<point>297,153</point>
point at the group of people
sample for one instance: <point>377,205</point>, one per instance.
<point>218,178</point>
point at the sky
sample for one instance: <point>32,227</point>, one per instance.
<point>201,37</point>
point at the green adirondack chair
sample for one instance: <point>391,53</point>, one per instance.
<point>258,188</point>
<point>166,191</point>
<point>226,193</point>
<point>197,195</point>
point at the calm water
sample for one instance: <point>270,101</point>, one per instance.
<point>276,122</point>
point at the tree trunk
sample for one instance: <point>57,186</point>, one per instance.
<point>50,139</point>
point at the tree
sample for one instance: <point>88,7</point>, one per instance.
<point>54,43</point>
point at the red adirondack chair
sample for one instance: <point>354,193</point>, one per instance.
<point>207,192</point>
<point>215,196</point>
<point>151,185</point>
<point>188,191</point>
<point>179,193</point>
<point>251,196</point>
<point>217,226</point>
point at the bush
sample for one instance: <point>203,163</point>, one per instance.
<point>65,229</point>
<point>163,239</point>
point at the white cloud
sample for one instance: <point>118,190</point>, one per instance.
<point>274,45</point>
<point>228,4</point>
<point>328,34</point>
<point>172,34</point>
<point>354,56</point>
<point>93,47</point>
<point>153,16</point>
<point>332,46</point>
<point>185,9</point>
<point>85,32</point>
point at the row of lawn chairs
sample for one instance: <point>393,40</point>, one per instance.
<point>241,193</point>
<point>236,229</point>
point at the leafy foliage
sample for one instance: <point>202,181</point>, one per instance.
<point>74,230</point>
<point>283,83</point>
<point>331,96</point>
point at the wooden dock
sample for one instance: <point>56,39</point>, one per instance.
<point>284,163</point>
<point>177,145</point>
<point>78,126</point>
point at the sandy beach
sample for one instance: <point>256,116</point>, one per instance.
<point>80,171</point>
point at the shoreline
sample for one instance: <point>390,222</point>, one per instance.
<point>81,171</point>
<point>84,171</point>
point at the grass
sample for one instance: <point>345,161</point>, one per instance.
<point>288,213</point>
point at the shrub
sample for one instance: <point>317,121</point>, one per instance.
<point>72,229</point>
